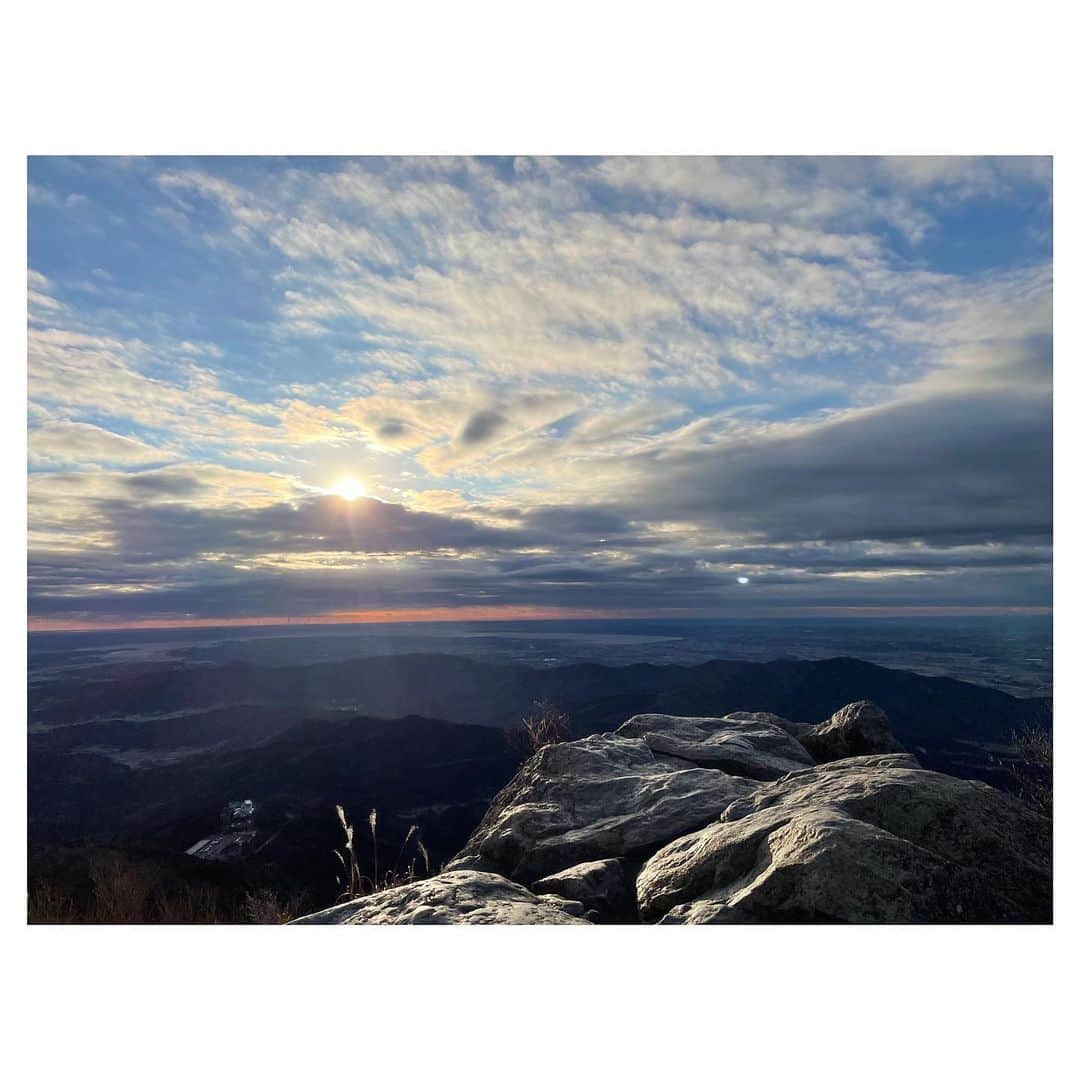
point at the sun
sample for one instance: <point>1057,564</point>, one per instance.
<point>349,488</point>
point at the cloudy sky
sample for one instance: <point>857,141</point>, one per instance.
<point>426,388</point>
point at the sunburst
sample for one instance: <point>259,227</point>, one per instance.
<point>349,488</point>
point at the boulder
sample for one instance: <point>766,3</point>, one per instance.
<point>855,730</point>
<point>741,743</point>
<point>602,886</point>
<point>819,866</point>
<point>867,839</point>
<point>459,896</point>
<point>597,798</point>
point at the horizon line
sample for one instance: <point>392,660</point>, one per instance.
<point>44,624</point>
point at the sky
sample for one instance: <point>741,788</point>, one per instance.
<point>429,388</point>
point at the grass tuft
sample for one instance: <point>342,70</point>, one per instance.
<point>545,726</point>
<point>356,883</point>
<point>1032,768</point>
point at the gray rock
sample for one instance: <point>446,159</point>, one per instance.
<point>571,907</point>
<point>868,839</point>
<point>856,729</point>
<point>791,726</point>
<point>471,862</point>
<point>601,797</point>
<point>818,866</point>
<point>602,886</point>
<point>460,896</point>
<point>741,743</point>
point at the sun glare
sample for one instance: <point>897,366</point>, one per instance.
<point>348,488</point>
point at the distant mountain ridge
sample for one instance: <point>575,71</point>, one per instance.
<point>248,703</point>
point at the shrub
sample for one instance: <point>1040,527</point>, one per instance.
<point>1032,768</point>
<point>47,903</point>
<point>266,907</point>
<point>121,890</point>
<point>114,887</point>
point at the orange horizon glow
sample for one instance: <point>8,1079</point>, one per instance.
<point>507,613</point>
<point>477,613</point>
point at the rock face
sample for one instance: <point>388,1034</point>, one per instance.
<point>601,797</point>
<point>868,839</point>
<point>603,886</point>
<point>728,819</point>
<point>460,896</point>
<point>743,744</point>
<point>858,728</point>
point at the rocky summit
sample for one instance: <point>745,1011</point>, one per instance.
<point>744,818</point>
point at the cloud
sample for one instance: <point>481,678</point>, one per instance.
<point>165,515</point>
<point>974,469</point>
<point>66,442</point>
<point>844,192</point>
<point>635,379</point>
<point>391,430</point>
<point>482,427</point>
<point>294,586</point>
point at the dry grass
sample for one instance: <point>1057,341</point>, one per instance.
<point>353,885</point>
<point>546,725</point>
<point>113,888</point>
<point>266,907</point>
<point>356,884</point>
<point>121,891</point>
<point>49,904</point>
<point>186,904</point>
<point>1032,768</point>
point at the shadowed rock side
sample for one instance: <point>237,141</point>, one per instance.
<point>858,728</point>
<point>603,886</point>
<point>727,819</point>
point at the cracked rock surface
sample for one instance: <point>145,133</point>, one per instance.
<point>743,744</point>
<point>460,896</point>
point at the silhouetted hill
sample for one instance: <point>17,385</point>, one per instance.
<point>465,690</point>
<point>412,770</point>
